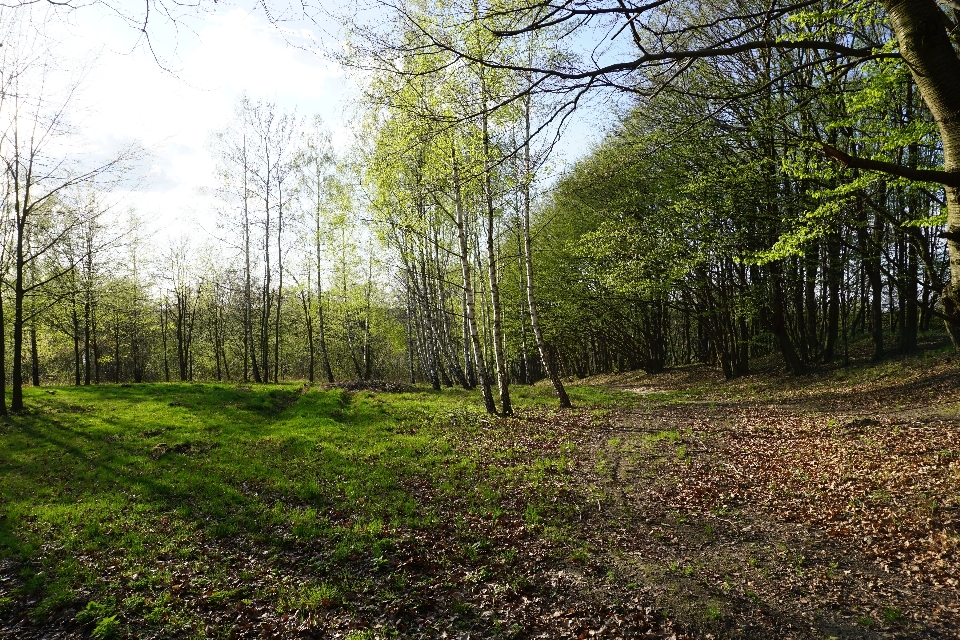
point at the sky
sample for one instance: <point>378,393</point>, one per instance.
<point>172,101</point>
<point>171,98</point>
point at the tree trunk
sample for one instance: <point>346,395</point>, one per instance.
<point>182,352</point>
<point>163,341</point>
<point>96,345</point>
<point>216,332</point>
<point>249,346</point>
<point>935,67</point>
<point>3,358</point>
<point>75,317</point>
<point>525,377</point>
<point>875,275</point>
<point>471,315</point>
<point>16,402</point>
<point>834,277</point>
<point>116,347</point>
<point>503,383</point>
<point>223,345</point>
<point>367,354</point>
<point>35,358</point>
<point>426,325</point>
<point>276,326</point>
<point>468,368</point>
<point>321,329</point>
<point>409,321</point>
<point>86,334</point>
<point>548,367</point>
<point>322,336</point>
<point>810,303</point>
<point>308,320</point>
<point>908,332</point>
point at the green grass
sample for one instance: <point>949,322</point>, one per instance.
<point>110,494</point>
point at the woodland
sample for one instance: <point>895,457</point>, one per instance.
<point>775,183</point>
<point>697,382</point>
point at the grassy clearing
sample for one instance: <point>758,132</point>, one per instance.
<point>169,509</point>
<point>682,504</point>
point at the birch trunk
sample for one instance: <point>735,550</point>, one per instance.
<point>548,366</point>
<point>470,306</point>
<point>503,384</point>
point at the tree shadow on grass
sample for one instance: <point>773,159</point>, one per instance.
<point>246,481</point>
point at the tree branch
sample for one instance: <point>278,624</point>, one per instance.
<point>667,56</point>
<point>946,178</point>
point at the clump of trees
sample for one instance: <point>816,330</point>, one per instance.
<point>49,199</point>
<point>781,180</point>
<point>738,239</point>
<point>291,287</point>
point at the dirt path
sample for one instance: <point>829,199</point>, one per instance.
<point>817,511</point>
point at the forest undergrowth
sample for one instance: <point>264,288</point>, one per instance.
<point>677,505</point>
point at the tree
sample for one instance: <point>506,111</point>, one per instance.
<point>39,175</point>
<point>667,38</point>
<point>318,182</point>
<point>527,252</point>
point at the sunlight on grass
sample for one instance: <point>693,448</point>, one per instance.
<point>105,484</point>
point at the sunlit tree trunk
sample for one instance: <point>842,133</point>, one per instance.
<point>548,366</point>
<point>470,307</point>
<point>276,324</point>
<point>468,364</point>
<point>410,346</point>
<point>503,383</point>
<point>321,328</point>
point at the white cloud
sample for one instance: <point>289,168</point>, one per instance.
<point>128,96</point>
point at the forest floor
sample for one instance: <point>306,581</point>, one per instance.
<point>675,505</point>
<point>773,507</point>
